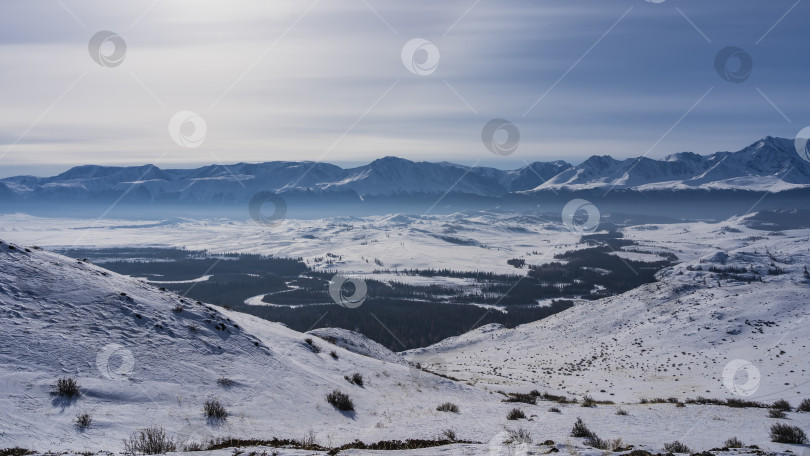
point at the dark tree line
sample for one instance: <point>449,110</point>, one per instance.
<point>397,314</point>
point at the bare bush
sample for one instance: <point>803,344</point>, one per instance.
<point>308,441</point>
<point>594,441</point>
<point>677,447</point>
<point>312,345</point>
<point>581,430</point>
<point>354,379</point>
<point>448,407</point>
<point>226,382</point>
<point>213,409</point>
<point>16,451</point>
<point>515,414</point>
<point>733,442</point>
<point>782,405</point>
<point>518,437</point>
<point>67,387</point>
<point>83,420</point>
<point>558,399</point>
<point>152,440</point>
<point>784,433</point>
<point>340,401</point>
<point>520,397</point>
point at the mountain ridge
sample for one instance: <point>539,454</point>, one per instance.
<point>769,164</point>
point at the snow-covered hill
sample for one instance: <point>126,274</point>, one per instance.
<point>769,164</point>
<point>147,357</point>
<point>358,343</point>
<point>673,338</point>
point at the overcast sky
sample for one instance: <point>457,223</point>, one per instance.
<point>326,79</point>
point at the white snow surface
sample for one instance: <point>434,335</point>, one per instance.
<point>671,338</point>
<point>396,241</point>
<point>358,343</point>
<point>61,316</point>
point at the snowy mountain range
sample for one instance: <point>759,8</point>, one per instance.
<point>770,164</point>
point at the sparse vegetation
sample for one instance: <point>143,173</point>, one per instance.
<point>195,446</point>
<point>67,387</point>
<point>520,397</point>
<point>554,410</point>
<point>315,348</point>
<point>581,430</point>
<point>152,440</point>
<point>226,382</point>
<point>83,420</point>
<point>588,401</point>
<point>557,399</point>
<point>388,445</point>
<point>804,406</point>
<point>449,434</point>
<point>733,442</point>
<point>308,442</point>
<point>518,437</point>
<point>214,410</point>
<point>677,447</point>
<point>617,445</point>
<point>515,414</point>
<point>340,401</point>
<point>448,407</point>
<point>784,433</point>
<point>742,403</point>
<point>661,400</point>
<point>16,451</point>
<point>782,405</point>
<point>592,440</point>
<point>622,412</point>
<point>731,402</point>
<point>354,379</point>
<point>607,445</point>
<point>333,354</point>
<point>776,413</point>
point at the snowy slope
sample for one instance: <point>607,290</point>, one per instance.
<point>670,338</point>
<point>358,343</point>
<point>66,317</point>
